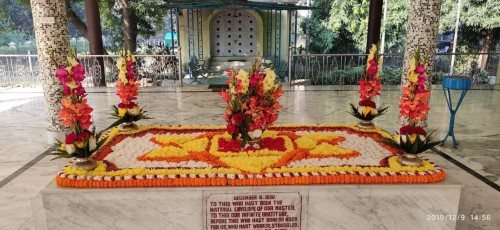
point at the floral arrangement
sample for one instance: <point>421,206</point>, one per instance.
<point>413,108</point>
<point>369,87</point>
<point>252,102</point>
<point>168,156</point>
<point>128,90</point>
<point>81,142</point>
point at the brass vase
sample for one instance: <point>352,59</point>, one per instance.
<point>128,125</point>
<point>408,159</point>
<point>365,124</point>
<point>85,163</point>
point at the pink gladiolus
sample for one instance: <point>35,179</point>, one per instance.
<point>62,74</point>
<point>78,73</point>
<point>420,69</point>
<point>372,70</point>
<point>80,91</point>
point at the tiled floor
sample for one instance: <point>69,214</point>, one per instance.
<point>22,135</point>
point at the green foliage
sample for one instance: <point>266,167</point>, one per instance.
<point>340,26</point>
<point>149,17</point>
<point>476,16</point>
<point>354,111</point>
<point>351,75</point>
<point>418,146</point>
<point>323,38</point>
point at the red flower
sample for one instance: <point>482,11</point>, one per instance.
<point>420,69</point>
<point>372,70</point>
<point>367,102</point>
<point>78,73</point>
<point>254,80</point>
<point>406,130</point>
<point>62,74</point>
<point>420,130</point>
<point>232,128</point>
<point>237,118</point>
<point>80,91</point>
<point>71,138</point>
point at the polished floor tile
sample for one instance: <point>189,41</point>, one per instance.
<point>22,135</point>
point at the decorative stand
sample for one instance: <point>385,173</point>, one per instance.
<point>454,83</point>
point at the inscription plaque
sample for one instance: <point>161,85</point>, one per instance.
<point>264,211</point>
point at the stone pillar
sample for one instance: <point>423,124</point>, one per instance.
<point>51,31</point>
<point>422,31</point>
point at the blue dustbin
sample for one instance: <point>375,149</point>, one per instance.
<point>454,83</point>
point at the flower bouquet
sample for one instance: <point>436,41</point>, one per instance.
<point>252,103</point>
<point>413,108</point>
<point>75,115</point>
<point>369,87</point>
<point>127,112</point>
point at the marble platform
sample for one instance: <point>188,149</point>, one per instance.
<point>400,206</point>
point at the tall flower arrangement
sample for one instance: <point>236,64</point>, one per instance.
<point>127,87</point>
<point>252,102</point>
<point>413,108</point>
<point>369,87</point>
<point>75,115</point>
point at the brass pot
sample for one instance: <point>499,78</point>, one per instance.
<point>85,163</point>
<point>365,124</point>
<point>408,159</point>
<point>128,125</point>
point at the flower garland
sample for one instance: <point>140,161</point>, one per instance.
<point>252,102</point>
<point>413,108</point>
<point>75,113</point>
<point>128,90</point>
<point>331,161</point>
<point>369,87</point>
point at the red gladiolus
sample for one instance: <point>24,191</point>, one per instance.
<point>367,102</point>
<point>232,128</point>
<point>237,118</point>
<point>71,138</point>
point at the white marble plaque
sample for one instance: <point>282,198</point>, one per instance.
<point>47,20</point>
<point>265,211</point>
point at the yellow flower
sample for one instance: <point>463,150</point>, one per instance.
<point>79,144</point>
<point>370,110</point>
<point>244,80</point>
<point>413,77</point>
<point>122,112</point>
<point>72,61</point>
<point>198,145</point>
<point>123,75</point>
<point>305,143</point>
<point>413,137</point>
<point>373,50</point>
<point>72,85</point>
<point>169,151</point>
<point>63,147</point>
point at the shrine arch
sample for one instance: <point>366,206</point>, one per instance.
<point>235,33</point>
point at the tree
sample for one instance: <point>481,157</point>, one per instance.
<point>479,25</point>
<point>323,38</point>
<point>341,26</point>
<point>127,19</point>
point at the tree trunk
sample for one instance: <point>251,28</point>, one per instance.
<point>94,36</point>
<point>483,58</point>
<point>129,26</point>
<point>77,22</point>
